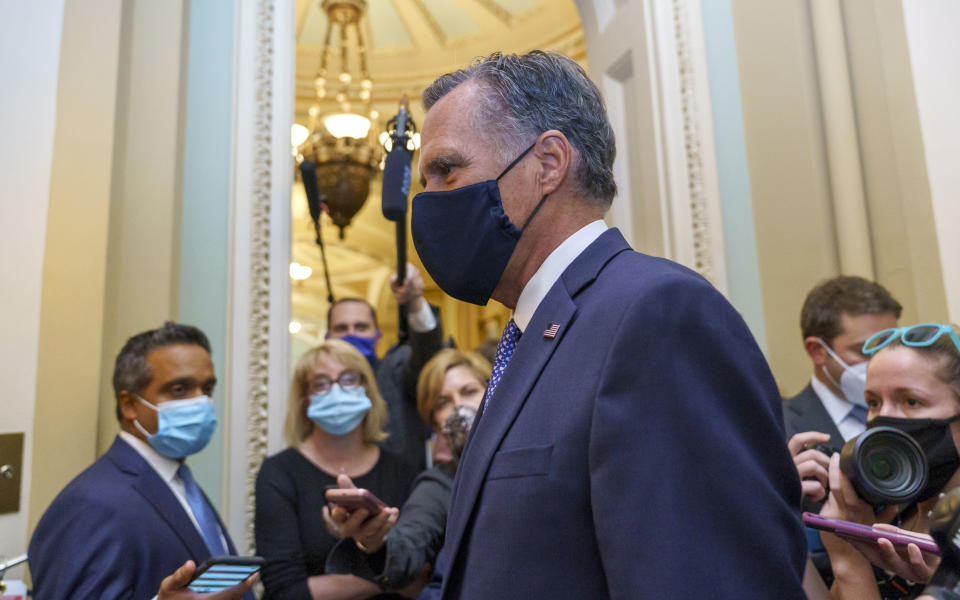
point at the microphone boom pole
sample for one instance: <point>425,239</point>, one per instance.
<point>396,189</point>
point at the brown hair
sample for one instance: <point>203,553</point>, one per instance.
<point>298,426</point>
<point>943,349</point>
<point>431,377</point>
<point>826,304</point>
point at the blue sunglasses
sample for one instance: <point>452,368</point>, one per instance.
<point>917,336</point>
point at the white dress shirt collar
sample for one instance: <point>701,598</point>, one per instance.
<point>165,467</point>
<point>839,410</point>
<point>536,289</point>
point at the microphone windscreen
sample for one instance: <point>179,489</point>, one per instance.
<point>308,172</point>
<point>396,183</point>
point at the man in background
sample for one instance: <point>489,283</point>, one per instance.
<point>353,320</point>
<point>136,515</point>
<point>838,316</point>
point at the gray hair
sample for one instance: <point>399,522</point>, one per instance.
<point>528,94</point>
<point>132,373</point>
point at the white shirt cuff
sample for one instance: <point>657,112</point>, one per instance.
<point>422,321</point>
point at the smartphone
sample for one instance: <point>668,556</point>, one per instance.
<point>354,498</point>
<point>856,531</point>
<point>222,572</point>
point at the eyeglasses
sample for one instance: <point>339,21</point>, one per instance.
<point>347,380</point>
<point>917,336</point>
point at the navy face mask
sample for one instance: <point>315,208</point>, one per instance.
<point>464,237</point>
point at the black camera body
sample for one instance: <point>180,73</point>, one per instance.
<point>944,527</point>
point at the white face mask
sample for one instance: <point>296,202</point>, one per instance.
<point>853,381</point>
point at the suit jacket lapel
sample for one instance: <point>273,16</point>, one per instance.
<point>531,355</point>
<point>159,495</point>
<point>811,415</point>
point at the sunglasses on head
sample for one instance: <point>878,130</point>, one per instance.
<point>918,336</point>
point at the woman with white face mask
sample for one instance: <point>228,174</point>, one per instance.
<point>913,384</point>
<point>335,417</point>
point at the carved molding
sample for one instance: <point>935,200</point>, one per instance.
<point>258,358</point>
<point>703,259</point>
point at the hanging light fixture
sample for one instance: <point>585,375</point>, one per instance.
<point>339,141</point>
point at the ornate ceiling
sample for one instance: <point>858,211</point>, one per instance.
<point>411,42</point>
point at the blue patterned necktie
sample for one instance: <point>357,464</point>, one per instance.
<point>859,413</point>
<point>202,512</point>
<point>508,343</point>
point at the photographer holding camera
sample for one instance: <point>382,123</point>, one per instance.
<point>913,386</point>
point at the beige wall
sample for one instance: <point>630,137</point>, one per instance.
<point>790,166</point>
<point>935,61</point>
<point>143,259</point>
<point>71,307</point>
<point>30,45</point>
<point>789,181</point>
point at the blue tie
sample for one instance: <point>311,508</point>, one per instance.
<point>202,512</point>
<point>508,343</point>
<point>859,413</point>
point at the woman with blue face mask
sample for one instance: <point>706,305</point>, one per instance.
<point>335,417</point>
<point>913,384</point>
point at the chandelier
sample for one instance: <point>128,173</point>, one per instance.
<point>339,141</point>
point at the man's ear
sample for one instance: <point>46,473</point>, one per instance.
<point>556,156</point>
<point>815,350</point>
<point>127,403</point>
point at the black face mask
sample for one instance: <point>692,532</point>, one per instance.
<point>936,440</point>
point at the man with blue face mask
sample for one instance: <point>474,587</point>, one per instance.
<point>353,320</point>
<point>137,514</point>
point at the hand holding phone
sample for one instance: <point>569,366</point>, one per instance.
<point>857,532</point>
<point>352,499</point>
<point>222,572</point>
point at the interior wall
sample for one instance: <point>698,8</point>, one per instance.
<point>935,58</point>
<point>142,262</point>
<point>905,253</point>
<point>74,265</point>
<point>796,244</point>
<point>30,44</point>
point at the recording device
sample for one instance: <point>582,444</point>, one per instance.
<point>885,465</point>
<point>856,531</point>
<point>945,527</point>
<point>316,203</point>
<point>222,572</point>
<point>396,188</point>
<point>354,499</point>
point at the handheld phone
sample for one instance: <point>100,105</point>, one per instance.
<point>222,572</point>
<point>856,531</point>
<point>355,498</point>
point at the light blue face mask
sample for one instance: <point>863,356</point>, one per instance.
<point>184,427</point>
<point>339,411</point>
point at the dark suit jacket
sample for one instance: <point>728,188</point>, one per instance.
<point>397,376</point>
<point>805,412</point>
<point>115,531</point>
<point>638,454</point>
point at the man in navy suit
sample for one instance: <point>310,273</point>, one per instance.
<point>135,516</point>
<point>630,442</point>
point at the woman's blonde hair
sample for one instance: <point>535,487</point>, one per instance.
<point>298,426</point>
<point>431,377</point>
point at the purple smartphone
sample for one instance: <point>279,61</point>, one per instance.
<point>848,529</point>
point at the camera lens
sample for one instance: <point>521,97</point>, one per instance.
<point>885,465</point>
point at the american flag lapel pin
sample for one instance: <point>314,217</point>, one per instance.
<point>551,332</point>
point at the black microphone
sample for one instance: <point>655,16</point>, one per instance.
<point>308,172</point>
<point>396,170</point>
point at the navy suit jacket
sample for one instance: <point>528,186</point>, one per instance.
<point>806,412</point>
<point>115,531</point>
<point>637,454</point>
